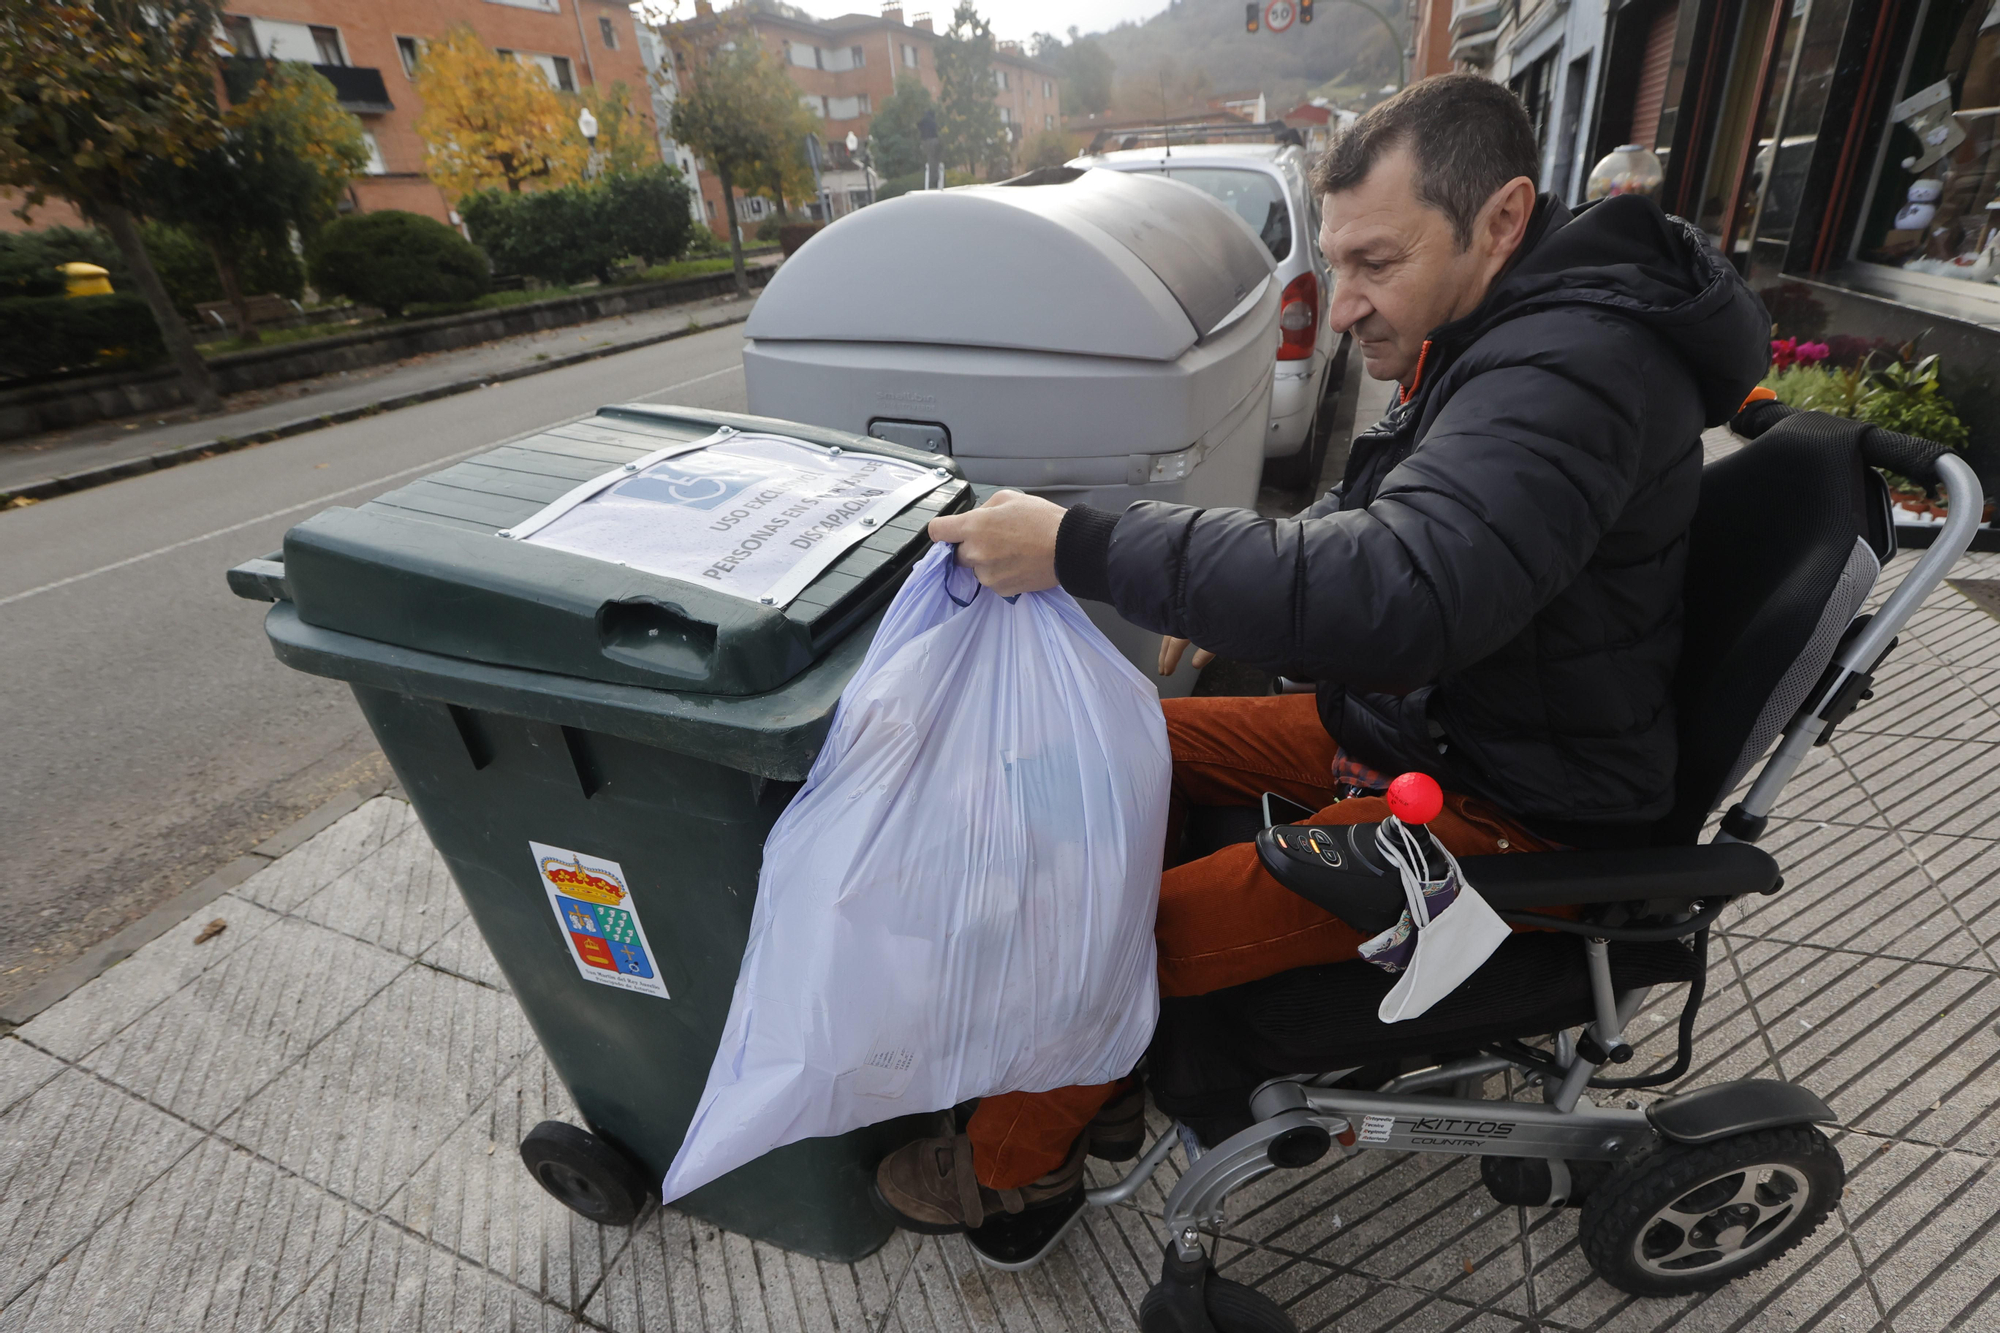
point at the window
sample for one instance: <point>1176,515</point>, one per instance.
<point>1006,116</point>
<point>1048,122</point>
<point>607,30</point>
<point>326,44</point>
<point>406,50</point>
<point>909,56</point>
<point>805,57</point>
<point>1048,88</point>
<point>242,36</point>
<point>814,103</point>
<point>1000,78</point>
<point>1258,199</point>
<point>376,166</point>
<point>859,57</point>
<point>546,6</point>
<point>709,204</point>
<point>556,69</point>
<point>846,108</point>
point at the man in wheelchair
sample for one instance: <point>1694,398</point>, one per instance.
<point>1493,597</point>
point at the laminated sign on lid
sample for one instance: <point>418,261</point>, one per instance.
<point>752,515</point>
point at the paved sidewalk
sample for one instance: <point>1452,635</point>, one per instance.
<point>309,1121</point>
<point>61,453</point>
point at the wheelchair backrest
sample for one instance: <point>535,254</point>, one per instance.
<point>1789,536</point>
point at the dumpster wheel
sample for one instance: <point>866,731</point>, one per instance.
<point>586,1175</point>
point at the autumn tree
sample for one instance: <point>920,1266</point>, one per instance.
<point>90,92</point>
<point>625,141</point>
<point>286,155</point>
<point>737,111</point>
<point>969,123</point>
<point>492,122</point>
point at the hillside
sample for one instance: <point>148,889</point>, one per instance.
<point>1342,53</point>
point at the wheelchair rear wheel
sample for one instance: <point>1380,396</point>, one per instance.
<point>1678,1218</point>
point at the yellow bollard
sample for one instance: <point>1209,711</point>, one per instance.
<point>86,279</point>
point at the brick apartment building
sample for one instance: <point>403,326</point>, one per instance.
<point>368,49</point>
<point>846,67</point>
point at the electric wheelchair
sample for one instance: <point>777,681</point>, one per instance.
<point>1697,1188</point>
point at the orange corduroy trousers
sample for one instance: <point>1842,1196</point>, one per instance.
<point>1223,920</point>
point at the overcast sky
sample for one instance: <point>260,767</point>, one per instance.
<point>1015,20</point>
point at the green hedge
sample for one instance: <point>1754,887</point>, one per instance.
<point>393,259</point>
<point>580,232</point>
<point>40,335</point>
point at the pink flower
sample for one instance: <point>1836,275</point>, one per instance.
<point>1784,351</point>
<point>1811,354</point>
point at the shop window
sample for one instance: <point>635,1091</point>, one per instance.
<point>1534,87</point>
<point>1576,83</point>
<point>1936,208</point>
<point>1789,133</point>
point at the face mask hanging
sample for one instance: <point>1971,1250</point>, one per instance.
<point>1447,930</point>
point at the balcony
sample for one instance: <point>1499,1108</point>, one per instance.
<point>1475,26</point>
<point>359,89</point>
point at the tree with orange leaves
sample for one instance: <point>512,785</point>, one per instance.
<point>490,121</point>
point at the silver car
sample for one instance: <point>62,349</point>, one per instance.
<point>1265,185</point>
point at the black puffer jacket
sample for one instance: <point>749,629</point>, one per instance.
<point>1493,592</point>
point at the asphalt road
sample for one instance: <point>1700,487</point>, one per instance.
<point>147,736</point>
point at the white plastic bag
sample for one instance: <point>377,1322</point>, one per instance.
<point>960,901</point>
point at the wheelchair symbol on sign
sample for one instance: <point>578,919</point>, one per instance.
<point>694,490</point>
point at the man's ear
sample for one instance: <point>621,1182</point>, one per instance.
<point>1503,222</point>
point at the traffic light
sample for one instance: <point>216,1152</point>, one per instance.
<point>1305,11</point>
<point>1250,20</point>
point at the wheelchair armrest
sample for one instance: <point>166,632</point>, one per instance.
<point>1337,868</point>
<point>1527,880</point>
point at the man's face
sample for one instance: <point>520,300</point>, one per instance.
<point>1398,271</point>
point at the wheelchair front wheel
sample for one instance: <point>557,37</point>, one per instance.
<point>1677,1218</point>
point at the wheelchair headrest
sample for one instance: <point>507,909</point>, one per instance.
<point>1789,536</point>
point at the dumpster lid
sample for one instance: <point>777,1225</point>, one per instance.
<point>701,552</point>
<point>1108,264</point>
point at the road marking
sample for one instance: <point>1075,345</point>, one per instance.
<point>433,464</point>
<point>685,383</point>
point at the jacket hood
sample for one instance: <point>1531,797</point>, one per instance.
<point>1624,254</point>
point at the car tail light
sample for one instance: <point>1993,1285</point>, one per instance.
<point>1298,318</point>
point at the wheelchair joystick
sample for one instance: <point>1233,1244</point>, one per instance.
<point>1415,798</point>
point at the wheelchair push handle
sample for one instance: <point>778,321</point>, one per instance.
<point>1911,456</point>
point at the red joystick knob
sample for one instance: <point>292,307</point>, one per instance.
<point>1415,798</point>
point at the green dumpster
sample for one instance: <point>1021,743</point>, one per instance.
<point>598,752</point>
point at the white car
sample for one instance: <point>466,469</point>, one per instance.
<point>1265,185</point>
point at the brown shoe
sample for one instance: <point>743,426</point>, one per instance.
<point>930,1187</point>
<point>1119,1130</point>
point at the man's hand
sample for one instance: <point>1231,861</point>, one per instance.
<point>1009,542</point>
<point>1170,655</point>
